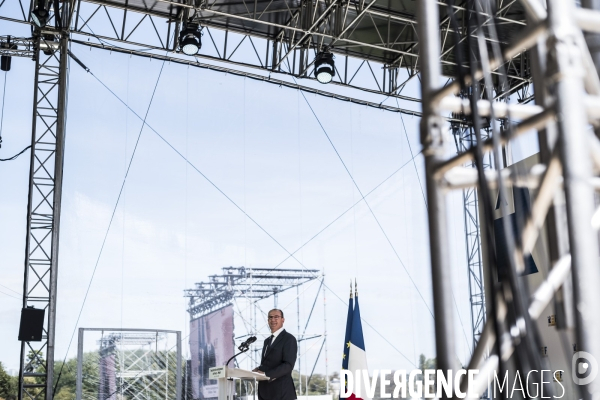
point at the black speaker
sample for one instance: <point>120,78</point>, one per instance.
<point>5,63</point>
<point>32,324</point>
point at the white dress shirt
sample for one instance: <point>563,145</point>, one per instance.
<point>275,334</point>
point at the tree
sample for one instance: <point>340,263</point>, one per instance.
<point>8,385</point>
<point>426,363</point>
<point>317,384</point>
<point>35,361</point>
<point>65,375</point>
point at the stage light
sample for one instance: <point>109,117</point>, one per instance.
<point>49,44</point>
<point>39,16</point>
<point>324,67</point>
<point>189,39</point>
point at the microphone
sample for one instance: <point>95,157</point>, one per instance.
<point>245,345</point>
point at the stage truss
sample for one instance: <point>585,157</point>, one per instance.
<point>134,364</point>
<point>376,44</point>
<point>567,97</point>
<point>247,283</point>
<point>253,285</point>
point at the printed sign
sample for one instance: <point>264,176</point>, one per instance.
<point>211,345</point>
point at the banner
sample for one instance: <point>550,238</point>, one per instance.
<point>211,345</point>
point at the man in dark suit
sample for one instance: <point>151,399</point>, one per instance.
<point>277,361</point>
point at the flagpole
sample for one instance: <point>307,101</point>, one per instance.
<point>346,353</point>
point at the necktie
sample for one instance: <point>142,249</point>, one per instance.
<point>268,344</point>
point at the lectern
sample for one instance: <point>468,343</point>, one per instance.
<point>225,377</point>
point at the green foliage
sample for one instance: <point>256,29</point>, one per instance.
<point>316,385</point>
<point>8,385</point>
<point>65,376</point>
<point>426,363</point>
<point>35,362</point>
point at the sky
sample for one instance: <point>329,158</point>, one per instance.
<point>249,146</point>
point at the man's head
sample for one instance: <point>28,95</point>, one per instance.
<point>276,319</point>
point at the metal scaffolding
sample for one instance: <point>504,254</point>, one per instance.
<point>247,283</point>
<point>253,285</point>
<point>375,42</point>
<point>464,140</point>
<point>378,45</point>
<point>567,90</point>
<point>130,363</point>
<point>43,207</point>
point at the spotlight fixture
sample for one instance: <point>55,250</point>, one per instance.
<point>48,44</point>
<point>324,67</point>
<point>189,39</point>
<point>39,16</point>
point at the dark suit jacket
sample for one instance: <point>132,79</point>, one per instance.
<point>277,363</point>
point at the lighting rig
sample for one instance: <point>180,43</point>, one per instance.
<point>324,67</point>
<point>40,15</point>
<point>375,43</point>
<point>190,39</point>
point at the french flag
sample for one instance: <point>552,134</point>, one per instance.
<point>354,347</point>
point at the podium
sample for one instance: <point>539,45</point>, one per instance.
<point>225,377</point>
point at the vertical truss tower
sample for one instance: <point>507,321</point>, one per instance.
<point>463,137</point>
<point>43,208</point>
<point>567,103</point>
<point>377,44</point>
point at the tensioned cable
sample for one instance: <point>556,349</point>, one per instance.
<point>14,291</point>
<point>9,295</point>
<point>235,204</point>
<point>291,255</point>
<point>352,165</point>
<point>410,298</point>
<point>368,206</point>
<point>335,220</point>
<point>427,207</point>
<point>16,155</point>
<point>375,217</point>
<point>414,162</point>
<point>347,210</point>
<point>2,124</point>
<point>111,218</point>
<point>124,222</point>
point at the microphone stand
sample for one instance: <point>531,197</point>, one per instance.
<point>243,350</point>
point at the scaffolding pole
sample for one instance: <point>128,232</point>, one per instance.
<point>43,208</point>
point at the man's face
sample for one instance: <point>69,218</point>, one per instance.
<point>275,320</point>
